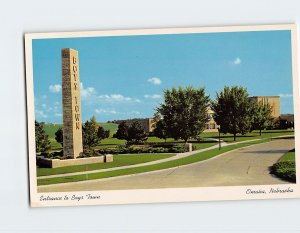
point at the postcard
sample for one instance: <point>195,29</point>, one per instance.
<point>162,115</point>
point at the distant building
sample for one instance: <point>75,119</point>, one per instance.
<point>286,121</point>
<point>146,123</point>
<point>273,101</point>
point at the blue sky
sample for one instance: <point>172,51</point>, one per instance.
<point>124,76</point>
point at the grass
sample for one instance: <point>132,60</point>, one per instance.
<point>285,168</point>
<point>250,136</point>
<point>289,156</point>
<point>50,129</point>
<point>174,163</point>
<point>119,161</point>
<point>112,127</point>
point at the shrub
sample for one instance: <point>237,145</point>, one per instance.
<point>285,170</point>
<point>142,149</point>
<point>89,153</point>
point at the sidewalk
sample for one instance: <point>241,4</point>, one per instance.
<point>177,156</point>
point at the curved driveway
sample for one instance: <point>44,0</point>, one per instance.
<point>245,166</point>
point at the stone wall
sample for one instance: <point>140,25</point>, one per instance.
<point>53,163</point>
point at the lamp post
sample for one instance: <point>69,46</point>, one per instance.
<point>219,138</point>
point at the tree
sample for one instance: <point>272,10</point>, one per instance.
<point>232,111</point>
<point>122,132</point>
<point>107,133</point>
<point>94,122</point>
<point>42,141</point>
<point>136,133</point>
<point>184,112</point>
<point>262,117</point>
<point>160,130</point>
<point>102,134</point>
<point>59,136</point>
<point>89,133</point>
<point>132,134</point>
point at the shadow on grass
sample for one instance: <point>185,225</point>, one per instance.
<point>286,137</point>
<point>276,131</point>
<point>266,152</point>
<point>231,136</point>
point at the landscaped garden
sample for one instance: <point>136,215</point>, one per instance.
<point>159,166</point>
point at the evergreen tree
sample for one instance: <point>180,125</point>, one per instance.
<point>122,132</point>
<point>107,133</point>
<point>102,134</point>
<point>89,133</point>
<point>136,133</point>
<point>42,141</point>
<point>160,130</point>
<point>94,122</point>
<point>59,136</point>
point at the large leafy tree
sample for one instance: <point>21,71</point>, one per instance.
<point>262,117</point>
<point>42,141</point>
<point>89,133</point>
<point>184,112</point>
<point>232,110</point>
<point>59,136</point>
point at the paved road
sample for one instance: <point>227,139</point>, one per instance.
<point>246,166</point>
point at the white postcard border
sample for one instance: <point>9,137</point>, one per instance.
<point>164,194</point>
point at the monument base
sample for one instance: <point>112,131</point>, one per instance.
<point>41,161</point>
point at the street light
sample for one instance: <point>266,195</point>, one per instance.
<point>219,137</point>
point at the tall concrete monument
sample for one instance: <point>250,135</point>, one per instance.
<point>72,128</point>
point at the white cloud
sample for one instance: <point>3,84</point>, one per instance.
<point>155,96</point>
<point>236,61</point>
<point>154,80</point>
<point>40,113</point>
<point>58,114</point>
<point>92,96</point>
<point>117,98</point>
<point>286,95</point>
<point>55,88</point>
<point>85,92</point>
<point>105,111</point>
<point>134,113</point>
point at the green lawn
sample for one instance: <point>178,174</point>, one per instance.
<point>119,160</point>
<point>174,163</point>
<point>250,136</point>
<point>289,156</point>
<point>112,127</point>
<point>50,129</point>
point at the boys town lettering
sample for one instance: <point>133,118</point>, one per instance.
<point>76,86</point>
